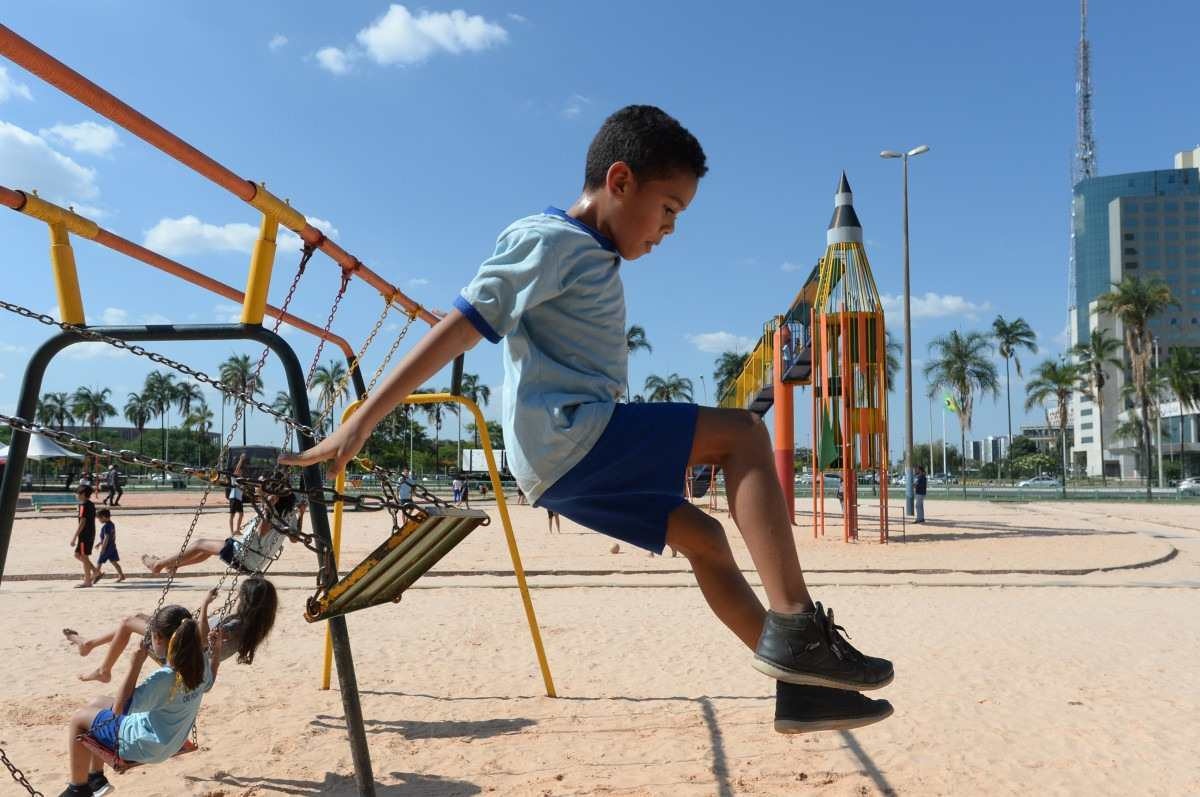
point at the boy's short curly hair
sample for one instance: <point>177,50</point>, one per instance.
<point>649,140</point>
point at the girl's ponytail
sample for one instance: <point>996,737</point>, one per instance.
<point>185,653</point>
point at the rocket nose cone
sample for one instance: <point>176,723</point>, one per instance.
<point>844,185</point>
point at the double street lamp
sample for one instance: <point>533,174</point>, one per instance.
<point>908,404</point>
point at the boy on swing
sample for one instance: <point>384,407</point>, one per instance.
<point>551,295</point>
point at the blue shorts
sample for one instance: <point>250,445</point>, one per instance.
<point>106,728</point>
<point>633,477</point>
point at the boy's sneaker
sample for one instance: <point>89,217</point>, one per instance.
<point>804,709</point>
<point>77,791</point>
<point>99,784</point>
<point>808,648</point>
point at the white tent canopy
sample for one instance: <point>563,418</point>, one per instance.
<point>41,447</point>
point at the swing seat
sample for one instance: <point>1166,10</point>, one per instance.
<point>395,565</point>
<point>114,761</point>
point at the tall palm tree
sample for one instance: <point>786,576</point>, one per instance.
<point>159,390</point>
<point>187,395</point>
<point>1011,337</point>
<point>435,412</point>
<point>237,374</point>
<point>673,387</point>
<point>1094,358</point>
<point>1134,302</point>
<point>200,420</point>
<point>139,412</point>
<point>46,412</point>
<point>960,364</point>
<point>57,407</point>
<point>728,366</point>
<point>282,403</point>
<point>1182,374</point>
<point>635,341</point>
<point>91,406</point>
<point>1057,381</point>
<point>477,392</point>
<point>332,386</point>
<point>892,352</point>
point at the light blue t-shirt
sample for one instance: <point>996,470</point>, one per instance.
<point>160,716</point>
<point>552,293</point>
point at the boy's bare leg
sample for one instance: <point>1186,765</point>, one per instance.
<point>195,553</point>
<point>701,539</point>
<point>739,443</point>
<point>86,646</point>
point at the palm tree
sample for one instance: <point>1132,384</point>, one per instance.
<point>671,388</point>
<point>159,391</point>
<point>892,351</point>
<point>478,393</point>
<point>200,419</point>
<point>1010,337</point>
<point>237,374</point>
<point>960,364</point>
<point>282,403</point>
<point>57,408</point>
<point>434,413</point>
<point>728,367</point>
<point>138,411</point>
<point>635,341</point>
<point>46,412</point>
<point>187,395</point>
<point>1134,302</point>
<point>1094,358</point>
<point>91,406</point>
<point>1182,374</point>
<point>332,386</point>
<point>1055,380</point>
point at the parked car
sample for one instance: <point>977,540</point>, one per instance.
<point>943,478</point>
<point>804,478</point>
<point>1189,486</point>
<point>1040,482</point>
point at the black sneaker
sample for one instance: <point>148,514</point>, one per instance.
<point>804,709</point>
<point>807,648</point>
<point>74,790</point>
<point>99,784</point>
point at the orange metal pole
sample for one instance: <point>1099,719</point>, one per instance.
<point>785,424</point>
<point>16,201</point>
<point>70,82</point>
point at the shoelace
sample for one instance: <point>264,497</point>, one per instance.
<point>833,632</point>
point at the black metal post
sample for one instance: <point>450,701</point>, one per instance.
<point>456,374</point>
<point>19,447</point>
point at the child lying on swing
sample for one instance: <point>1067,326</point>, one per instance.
<point>148,724</point>
<point>253,553</point>
<point>241,632</point>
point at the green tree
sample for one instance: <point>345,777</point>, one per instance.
<point>282,403</point>
<point>960,364</point>
<point>332,387</point>
<point>159,390</point>
<point>1010,338</point>
<point>199,420</point>
<point>892,351</point>
<point>139,411</point>
<point>187,396</point>
<point>1135,302</point>
<point>728,367</point>
<point>91,406</point>
<point>477,392</point>
<point>635,341</point>
<point>1057,381</point>
<point>1095,358</point>
<point>673,387</point>
<point>56,409</point>
<point>237,374</point>
<point>1182,374</point>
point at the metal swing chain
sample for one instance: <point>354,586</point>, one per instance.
<point>312,366</point>
<point>18,775</point>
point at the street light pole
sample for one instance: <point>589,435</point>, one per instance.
<point>908,403</point>
<point>1158,426</point>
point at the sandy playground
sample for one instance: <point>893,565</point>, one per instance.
<point>1039,649</point>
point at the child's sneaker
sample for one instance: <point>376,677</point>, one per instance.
<point>99,784</point>
<point>73,790</point>
<point>804,709</point>
<point>807,648</point>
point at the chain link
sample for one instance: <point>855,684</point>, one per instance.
<point>18,775</point>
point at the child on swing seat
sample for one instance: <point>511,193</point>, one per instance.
<point>150,723</point>
<point>551,295</point>
<point>253,553</point>
<point>241,632</point>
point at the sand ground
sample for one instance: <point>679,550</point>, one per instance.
<point>1039,648</point>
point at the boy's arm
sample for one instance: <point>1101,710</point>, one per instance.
<point>453,335</point>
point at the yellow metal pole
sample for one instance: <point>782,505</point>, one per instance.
<point>340,486</point>
<point>66,279</point>
<point>254,307</point>
<point>502,506</point>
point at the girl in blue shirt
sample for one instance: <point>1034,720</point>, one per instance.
<point>149,723</point>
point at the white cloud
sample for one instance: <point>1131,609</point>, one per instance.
<point>934,305</point>
<point>89,138</point>
<point>189,236</point>
<point>155,318</point>
<point>516,17</point>
<point>398,37</point>
<point>575,105</point>
<point>11,88</point>
<point>94,349</point>
<point>114,316</point>
<point>12,348</point>
<point>417,282</point>
<point>719,342</point>
<point>288,241</point>
<point>277,42</point>
<point>334,60</point>
<point>791,267</point>
<point>28,162</point>
<point>227,313</point>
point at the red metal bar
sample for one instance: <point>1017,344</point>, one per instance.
<point>16,201</point>
<point>70,82</point>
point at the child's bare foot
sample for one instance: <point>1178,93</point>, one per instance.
<point>120,578</point>
<point>99,575</point>
<point>150,562</point>
<point>75,639</point>
<point>83,584</point>
<point>99,674</point>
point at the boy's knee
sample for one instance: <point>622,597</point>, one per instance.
<point>704,540</point>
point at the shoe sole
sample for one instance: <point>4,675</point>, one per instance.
<point>107,788</point>
<point>808,679</point>
<point>841,724</point>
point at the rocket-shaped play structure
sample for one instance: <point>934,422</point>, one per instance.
<point>849,372</point>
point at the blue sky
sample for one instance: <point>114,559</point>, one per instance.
<point>416,134</point>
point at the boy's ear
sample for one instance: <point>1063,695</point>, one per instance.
<point>620,180</point>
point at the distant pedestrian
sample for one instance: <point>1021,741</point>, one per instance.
<point>108,545</point>
<point>920,484</point>
<point>85,535</point>
<point>112,483</point>
<point>457,486</point>
<point>553,522</point>
<point>235,496</point>
<point>404,490</point>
